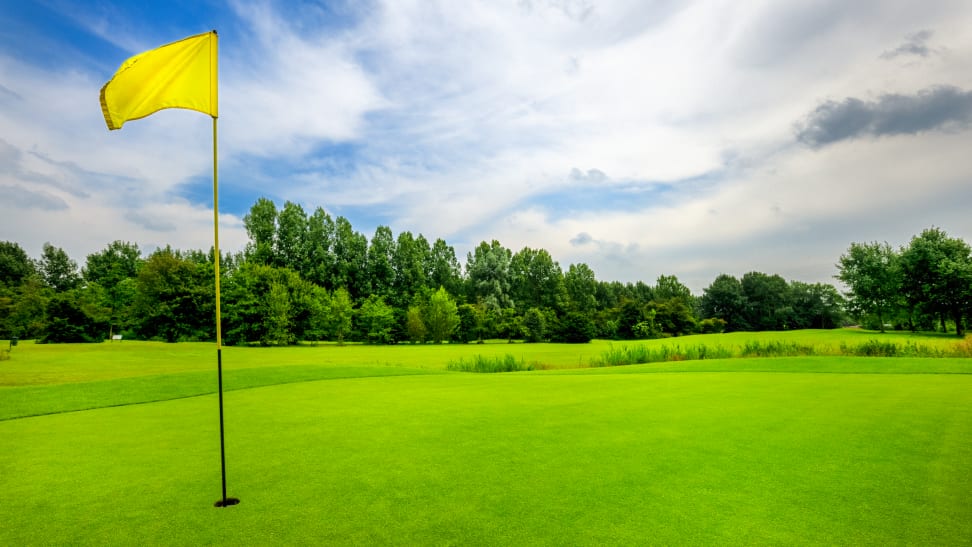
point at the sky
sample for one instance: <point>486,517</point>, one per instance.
<point>642,137</point>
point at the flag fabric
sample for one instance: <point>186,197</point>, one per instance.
<point>177,75</point>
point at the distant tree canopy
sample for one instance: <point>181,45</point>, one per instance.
<point>314,278</point>
<point>925,283</point>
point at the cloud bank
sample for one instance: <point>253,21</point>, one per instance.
<point>642,138</point>
<point>939,108</point>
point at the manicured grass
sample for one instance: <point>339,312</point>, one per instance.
<point>374,445</point>
<point>585,456</point>
<point>33,400</point>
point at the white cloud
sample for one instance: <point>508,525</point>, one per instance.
<point>457,119</point>
<point>283,93</point>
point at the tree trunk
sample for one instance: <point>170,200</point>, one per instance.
<point>957,313</point>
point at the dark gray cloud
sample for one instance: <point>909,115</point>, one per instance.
<point>582,238</point>
<point>915,44</point>
<point>938,108</point>
<point>31,199</point>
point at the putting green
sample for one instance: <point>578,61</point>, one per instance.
<point>631,455</point>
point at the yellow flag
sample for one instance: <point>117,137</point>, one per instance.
<point>177,75</point>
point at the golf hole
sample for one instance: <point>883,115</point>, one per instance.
<point>226,502</point>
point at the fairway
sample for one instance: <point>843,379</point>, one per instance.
<point>805,450</point>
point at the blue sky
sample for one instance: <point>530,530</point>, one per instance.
<point>639,137</point>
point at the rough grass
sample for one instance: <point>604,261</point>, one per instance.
<point>478,363</point>
<point>643,353</point>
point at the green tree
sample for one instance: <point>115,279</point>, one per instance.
<point>261,226</point>
<point>350,260</point>
<point>766,300</point>
<point>673,316</point>
<point>814,306</point>
<point>318,305</point>
<point>409,262</point>
<point>75,316</point>
<point>488,275</point>
<point>469,323</point>
<point>668,286</point>
<point>444,270</point>
<point>340,312</point>
<point>534,325</point>
<point>290,247</point>
<point>114,269</point>
<point>278,314</point>
<point>441,316</point>
<point>724,299</point>
<point>377,319</point>
<point>15,265</point>
<point>319,255</point>
<point>174,298</point>
<point>581,287</point>
<point>631,314</point>
<point>109,267</point>
<point>536,281</point>
<point>416,326</point>
<point>58,270</point>
<point>25,313</point>
<point>872,273</point>
<point>267,305</point>
<point>575,328</point>
<point>937,275</point>
<point>380,269</point>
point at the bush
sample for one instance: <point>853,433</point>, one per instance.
<point>713,325</point>
<point>71,322</point>
<point>575,328</point>
<point>534,325</point>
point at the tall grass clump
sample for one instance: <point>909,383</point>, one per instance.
<point>637,355</point>
<point>962,349</point>
<point>776,349</point>
<point>880,348</point>
<point>480,363</point>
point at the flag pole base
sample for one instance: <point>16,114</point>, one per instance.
<point>226,502</point>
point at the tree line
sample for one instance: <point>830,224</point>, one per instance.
<point>921,286</point>
<point>311,277</point>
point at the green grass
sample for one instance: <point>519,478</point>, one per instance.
<point>384,449</point>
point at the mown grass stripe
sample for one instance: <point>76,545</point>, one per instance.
<point>28,401</point>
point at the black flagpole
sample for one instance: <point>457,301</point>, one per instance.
<point>224,501</point>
